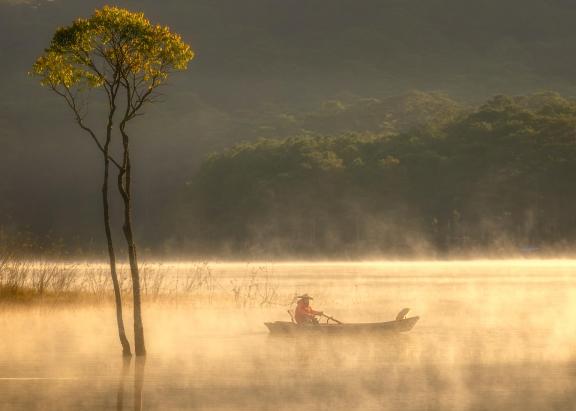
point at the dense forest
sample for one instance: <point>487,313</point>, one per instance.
<point>418,174</point>
<point>347,74</point>
<point>495,177</point>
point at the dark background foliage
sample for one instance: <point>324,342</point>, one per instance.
<point>393,171</point>
<point>495,177</point>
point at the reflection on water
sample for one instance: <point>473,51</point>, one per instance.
<point>122,382</point>
<point>492,336</point>
<point>139,382</point>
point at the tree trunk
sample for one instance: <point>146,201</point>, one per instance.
<point>111,254</point>
<point>124,186</point>
<point>112,257</point>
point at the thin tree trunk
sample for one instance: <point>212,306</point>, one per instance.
<point>105,149</point>
<point>112,257</point>
<point>124,186</point>
<point>111,254</point>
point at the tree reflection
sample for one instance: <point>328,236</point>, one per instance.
<point>122,382</point>
<point>139,382</point>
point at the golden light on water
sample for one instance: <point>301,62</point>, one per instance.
<point>497,334</point>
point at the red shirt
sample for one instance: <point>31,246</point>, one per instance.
<point>304,313</point>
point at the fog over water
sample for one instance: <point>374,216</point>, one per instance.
<point>307,130</point>
<point>493,335</point>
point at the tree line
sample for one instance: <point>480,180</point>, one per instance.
<point>498,176</point>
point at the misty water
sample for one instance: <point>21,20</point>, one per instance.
<point>493,335</point>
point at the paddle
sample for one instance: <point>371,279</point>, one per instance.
<point>331,318</point>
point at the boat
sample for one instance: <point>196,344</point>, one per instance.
<point>401,324</point>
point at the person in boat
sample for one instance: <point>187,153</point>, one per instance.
<point>304,313</point>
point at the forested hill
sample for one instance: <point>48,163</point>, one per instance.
<point>499,177</point>
<point>263,69</point>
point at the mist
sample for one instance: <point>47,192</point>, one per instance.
<point>492,335</point>
<point>332,205</point>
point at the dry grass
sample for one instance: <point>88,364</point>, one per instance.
<point>29,281</point>
<point>257,288</point>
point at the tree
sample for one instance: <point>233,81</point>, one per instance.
<point>122,53</point>
<point>497,177</point>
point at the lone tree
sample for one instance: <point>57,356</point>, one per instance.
<point>127,57</point>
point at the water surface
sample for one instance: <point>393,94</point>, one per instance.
<point>497,335</point>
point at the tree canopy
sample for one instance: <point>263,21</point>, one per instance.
<point>499,176</point>
<point>113,46</point>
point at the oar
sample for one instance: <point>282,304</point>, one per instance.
<point>332,318</point>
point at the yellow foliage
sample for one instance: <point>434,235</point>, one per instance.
<point>114,43</point>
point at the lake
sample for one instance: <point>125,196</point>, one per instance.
<point>493,335</point>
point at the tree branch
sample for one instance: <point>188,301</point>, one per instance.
<point>71,102</point>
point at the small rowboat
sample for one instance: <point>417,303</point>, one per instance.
<point>401,324</point>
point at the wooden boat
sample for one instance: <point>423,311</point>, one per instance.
<point>396,326</point>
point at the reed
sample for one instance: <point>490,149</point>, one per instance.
<point>40,281</point>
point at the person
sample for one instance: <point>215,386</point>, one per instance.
<point>304,313</point>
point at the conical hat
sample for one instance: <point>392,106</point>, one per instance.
<point>305,297</point>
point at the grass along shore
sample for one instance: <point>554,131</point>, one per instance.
<point>25,281</point>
